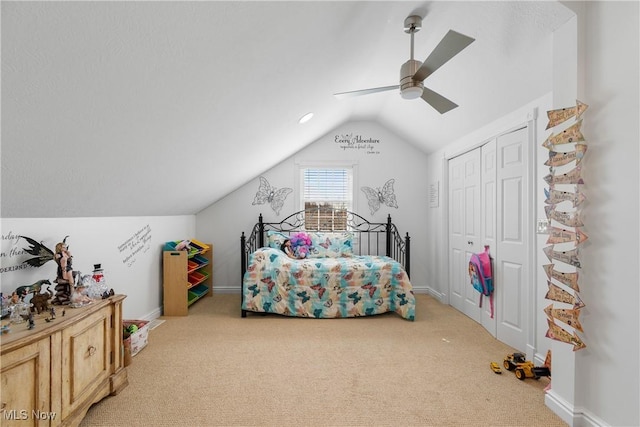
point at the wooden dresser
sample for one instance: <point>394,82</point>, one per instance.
<point>52,374</point>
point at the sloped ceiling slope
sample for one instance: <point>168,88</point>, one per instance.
<point>162,108</point>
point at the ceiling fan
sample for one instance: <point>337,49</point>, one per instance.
<point>413,72</point>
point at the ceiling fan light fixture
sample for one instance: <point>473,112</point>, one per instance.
<point>409,88</point>
<point>411,92</point>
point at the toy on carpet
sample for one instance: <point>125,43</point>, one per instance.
<point>495,367</point>
<point>524,368</point>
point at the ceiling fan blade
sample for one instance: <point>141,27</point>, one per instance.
<point>364,91</point>
<point>450,45</point>
<point>437,101</point>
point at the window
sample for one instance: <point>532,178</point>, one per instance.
<point>326,194</point>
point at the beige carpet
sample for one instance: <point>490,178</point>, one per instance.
<point>213,368</point>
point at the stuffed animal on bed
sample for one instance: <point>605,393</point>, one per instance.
<point>297,246</point>
<point>301,244</point>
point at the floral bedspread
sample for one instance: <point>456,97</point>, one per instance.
<point>326,287</point>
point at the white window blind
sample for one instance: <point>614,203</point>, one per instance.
<point>327,194</point>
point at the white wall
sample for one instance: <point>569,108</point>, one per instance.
<point>129,249</point>
<point>391,157</point>
<point>605,385</point>
<point>594,386</point>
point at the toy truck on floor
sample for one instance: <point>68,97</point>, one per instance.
<point>524,368</point>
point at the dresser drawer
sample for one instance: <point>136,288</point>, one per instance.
<point>25,374</point>
<point>86,359</point>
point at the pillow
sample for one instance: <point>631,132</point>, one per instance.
<point>275,239</point>
<point>331,245</point>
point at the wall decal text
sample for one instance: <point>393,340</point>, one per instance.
<point>357,142</point>
<point>138,243</point>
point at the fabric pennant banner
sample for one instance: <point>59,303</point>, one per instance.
<point>569,219</point>
<point>568,257</point>
<point>560,235</point>
<point>565,315</point>
<point>556,293</point>
<point>571,177</point>
<point>568,279</point>
<point>579,303</point>
<point>555,197</point>
<point>561,115</point>
<point>560,159</point>
<point>567,136</point>
<point>557,333</point>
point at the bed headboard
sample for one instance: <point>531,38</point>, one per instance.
<point>370,238</point>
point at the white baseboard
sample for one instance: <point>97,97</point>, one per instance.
<point>437,295</point>
<point>226,289</point>
<point>153,315</point>
<point>573,416</point>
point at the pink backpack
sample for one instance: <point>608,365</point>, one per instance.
<point>481,276</point>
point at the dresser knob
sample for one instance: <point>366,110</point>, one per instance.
<point>92,350</point>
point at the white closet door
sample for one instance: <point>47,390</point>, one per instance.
<point>464,230</point>
<point>512,272</point>
<point>489,205</point>
<point>489,222</point>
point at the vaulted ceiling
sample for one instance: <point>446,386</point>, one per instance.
<point>162,108</point>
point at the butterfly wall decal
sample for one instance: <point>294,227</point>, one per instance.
<point>376,197</point>
<point>268,194</point>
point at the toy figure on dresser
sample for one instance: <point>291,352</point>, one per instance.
<point>5,306</point>
<point>97,285</point>
<point>34,288</point>
<point>62,257</point>
<point>65,275</point>
<point>19,310</point>
<point>52,312</point>
<point>31,324</point>
<point>40,301</point>
<point>79,297</point>
<point>15,298</point>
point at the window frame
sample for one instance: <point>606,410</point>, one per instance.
<point>299,179</point>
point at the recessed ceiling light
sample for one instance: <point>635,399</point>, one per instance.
<point>305,118</point>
